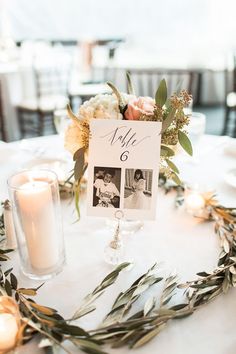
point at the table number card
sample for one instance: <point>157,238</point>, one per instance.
<point>123,168</point>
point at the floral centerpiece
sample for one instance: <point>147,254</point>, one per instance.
<point>128,106</point>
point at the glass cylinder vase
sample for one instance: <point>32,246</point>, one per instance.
<point>37,217</point>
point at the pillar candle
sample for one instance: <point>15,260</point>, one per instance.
<point>39,224</point>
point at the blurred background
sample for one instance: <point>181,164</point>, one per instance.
<point>54,52</point>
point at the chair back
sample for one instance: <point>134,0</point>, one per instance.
<point>53,78</point>
<point>2,121</point>
<point>234,72</point>
<point>147,80</point>
<point>230,74</point>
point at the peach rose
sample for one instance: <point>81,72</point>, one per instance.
<point>138,107</point>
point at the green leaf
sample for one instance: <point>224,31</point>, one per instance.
<point>29,292</point>
<point>111,277</point>
<point>77,195</point>
<point>203,274</point>
<point>179,307</point>
<point>168,103</point>
<point>115,90</point>
<point>172,166</point>
<point>43,309</point>
<point>71,114</point>
<point>79,168</point>
<point>161,94</point>
<point>122,266</point>
<point>88,346</point>
<point>84,312</point>
<point>168,120</point>
<point>130,84</point>
<point>8,288</point>
<point>78,154</point>
<point>148,336</point>
<point>8,271</point>
<point>72,330</point>
<point>149,306</point>
<point>166,151</point>
<point>176,178</point>
<point>4,258</point>
<point>185,142</point>
<point>13,281</point>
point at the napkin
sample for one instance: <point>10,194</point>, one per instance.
<point>6,152</point>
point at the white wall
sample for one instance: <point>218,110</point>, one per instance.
<point>152,23</point>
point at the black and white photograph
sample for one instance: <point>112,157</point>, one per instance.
<point>138,189</point>
<point>106,187</point>
<point>121,174</point>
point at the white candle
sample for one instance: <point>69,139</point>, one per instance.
<point>8,332</point>
<point>39,224</point>
<point>194,203</point>
<point>9,226</point>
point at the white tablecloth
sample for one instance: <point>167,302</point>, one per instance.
<point>182,242</point>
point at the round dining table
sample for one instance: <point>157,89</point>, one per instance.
<point>181,243</point>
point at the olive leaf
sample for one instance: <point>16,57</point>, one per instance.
<point>185,142</point>
<point>149,306</point>
<point>168,120</point>
<point>161,93</point>
<point>88,346</point>
<point>124,301</point>
<point>8,288</point>
<point>166,151</point>
<point>43,309</point>
<point>14,281</point>
<point>72,330</point>
<point>148,336</point>
<point>172,166</point>
<point>29,292</point>
<point>87,304</point>
<point>176,178</point>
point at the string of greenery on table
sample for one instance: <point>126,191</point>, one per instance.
<point>122,327</point>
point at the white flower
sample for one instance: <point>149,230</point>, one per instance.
<point>101,106</point>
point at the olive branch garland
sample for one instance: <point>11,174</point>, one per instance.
<point>119,327</point>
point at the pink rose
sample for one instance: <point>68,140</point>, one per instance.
<point>139,106</point>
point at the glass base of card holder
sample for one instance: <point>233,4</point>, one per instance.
<point>114,251</point>
<point>127,226</point>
